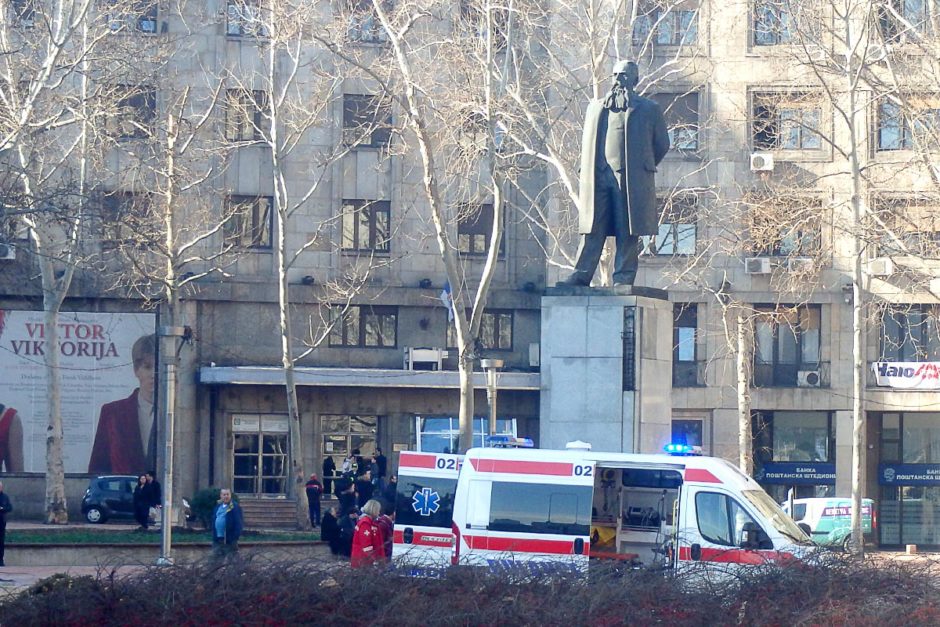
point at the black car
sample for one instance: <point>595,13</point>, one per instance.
<point>110,496</point>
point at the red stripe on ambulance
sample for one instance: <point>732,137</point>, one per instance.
<point>700,475</point>
<point>509,466</point>
<point>736,556</point>
<point>519,545</point>
<point>410,460</point>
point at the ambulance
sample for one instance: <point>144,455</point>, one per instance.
<point>547,510</point>
<point>423,540</point>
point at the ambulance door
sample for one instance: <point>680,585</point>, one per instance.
<point>474,536</point>
<point>718,534</point>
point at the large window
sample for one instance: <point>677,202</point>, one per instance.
<point>685,365</point>
<point>913,123</point>
<point>906,226</point>
<point>365,326</point>
<point>245,18</point>
<point>794,436</point>
<point>363,24</point>
<point>24,13</point>
<point>721,520</point>
<point>345,433</point>
<point>127,219</point>
<point>409,486</point>
<point>244,114</point>
<point>249,221</point>
<point>900,20</point>
<point>685,431</point>
<point>473,18</point>
<point>678,230</point>
<point>259,454</point>
<point>785,226</point>
<point>495,331</point>
<point>772,22</point>
<point>441,434</point>
<point>366,225</point>
<point>134,114</point>
<point>786,345</point>
<point>367,121</point>
<point>681,111</point>
<point>910,333</point>
<point>786,121</point>
<point>666,23</point>
<point>541,508</point>
<point>138,15</point>
<point>474,227</point>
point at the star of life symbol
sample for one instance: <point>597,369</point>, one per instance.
<point>426,501</point>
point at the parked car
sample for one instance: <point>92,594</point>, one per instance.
<point>109,496</point>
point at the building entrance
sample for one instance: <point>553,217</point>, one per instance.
<point>259,454</point>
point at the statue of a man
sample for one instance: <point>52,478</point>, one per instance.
<point>624,140</point>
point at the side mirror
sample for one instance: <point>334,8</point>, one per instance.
<point>805,529</point>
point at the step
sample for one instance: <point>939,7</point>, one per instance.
<point>269,513</point>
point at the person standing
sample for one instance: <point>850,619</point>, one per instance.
<point>386,524</point>
<point>313,489</point>
<point>142,503</point>
<point>5,508</point>
<point>329,531</point>
<point>155,492</point>
<point>391,490</point>
<point>367,547</point>
<point>329,469</point>
<point>364,489</point>
<point>227,526</point>
<point>383,465</point>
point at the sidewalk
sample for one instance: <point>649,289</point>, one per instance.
<point>14,579</point>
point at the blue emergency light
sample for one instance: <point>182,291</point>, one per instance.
<point>508,441</point>
<point>682,449</point>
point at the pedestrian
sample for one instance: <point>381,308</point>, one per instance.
<point>314,488</point>
<point>383,464</point>
<point>142,503</point>
<point>346,496</point>
<point>329,530</point>
<point>5,508</point>
<point>360,466</point>
<point>155,492</point>
<point>374,472</point>
<point>329,469</point>
<point>364,489</point>
<point>367,547</point>
<point>227,526</point>
<point>347,531</point>
<point>347,467</point>
<point>386,523</point>
<point>391,490</point>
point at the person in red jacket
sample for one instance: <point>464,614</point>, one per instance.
<point>367,546</point>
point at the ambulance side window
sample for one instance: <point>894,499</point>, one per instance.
<point>540,508</point>
<point>720,518</point>
<point>425,501</point>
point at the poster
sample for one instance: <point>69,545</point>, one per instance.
<point>97,369</point>
<point>907,375</point>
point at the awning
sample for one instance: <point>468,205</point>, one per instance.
<point>361,377</point>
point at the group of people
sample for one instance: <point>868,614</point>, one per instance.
<point>147,500</point>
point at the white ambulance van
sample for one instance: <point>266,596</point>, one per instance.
<point>423,539</point>
<point>547,510</point>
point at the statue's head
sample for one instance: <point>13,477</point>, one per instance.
<point>626,74</point>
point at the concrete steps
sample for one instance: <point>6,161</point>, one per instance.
<point>268,513</point>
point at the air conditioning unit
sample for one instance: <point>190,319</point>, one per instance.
<point>535,358</point>
<point>808,378</point>
<point>762,162</point>
<point>800,264</point>
<point>881,266</point>
<point>757,265</point>
<point>7,252</point>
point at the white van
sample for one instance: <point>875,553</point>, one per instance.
<point>547,509</point>
<point>424,539</point>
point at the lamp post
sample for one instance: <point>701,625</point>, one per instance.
<point>491,368</point>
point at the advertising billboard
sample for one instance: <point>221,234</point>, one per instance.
<point>107,376</point>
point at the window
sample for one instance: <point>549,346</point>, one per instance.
<point>24,12</point>
<point>495,331</point>
<point>786,343</point>
<point>663,23</point>
<point>441,434</point>
<point>367,121</point>
<point>364,25</point>
<point>681,113</point>
<point>474,227</point>
<point>126,218</point>
<point>906,226</point>
<point>786,226</point>
<point>365,326</point>
<point>259,453</point>
<point>915,123</point>
<point>786,122</point>
<point>794,436</point>
<point>409,486</point>
<point>139,15</point>
<point>900,20</point>
<point>677,231</point>
<point>245,19</point>
<point>134,114</point>
<point>366,225</point>
<point>772,22</point>
<point>690,432</point>
<point>685,367</point>
<point>473,18</point>
<point>721,520</point>
<point>244,114</point>
<point>910,333</point>
<point>540,508</point>
<point>249,221</point>
<point>345,433</point>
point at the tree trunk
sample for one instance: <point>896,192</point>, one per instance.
<point>745,443</point>
<point>56,506</point>
<point>465,372</point>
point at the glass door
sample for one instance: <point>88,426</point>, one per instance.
<point>345,434</point>
<point>259,454</point>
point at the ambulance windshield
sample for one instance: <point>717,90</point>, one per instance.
<point>777,517</point>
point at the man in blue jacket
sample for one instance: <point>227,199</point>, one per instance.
<point>227,525</point>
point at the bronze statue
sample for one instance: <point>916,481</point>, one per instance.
<point>624,139</point>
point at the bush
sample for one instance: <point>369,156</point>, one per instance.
<point>203,505</point>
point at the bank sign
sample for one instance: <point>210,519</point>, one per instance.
<point>797,473</point>
<point>909,474</point>
<point>907,375</point>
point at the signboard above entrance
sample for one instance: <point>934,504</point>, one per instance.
<point>797,473</point>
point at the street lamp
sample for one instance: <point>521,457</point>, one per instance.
<point>491,368</point>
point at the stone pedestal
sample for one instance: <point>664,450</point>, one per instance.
<point>606,368</point>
